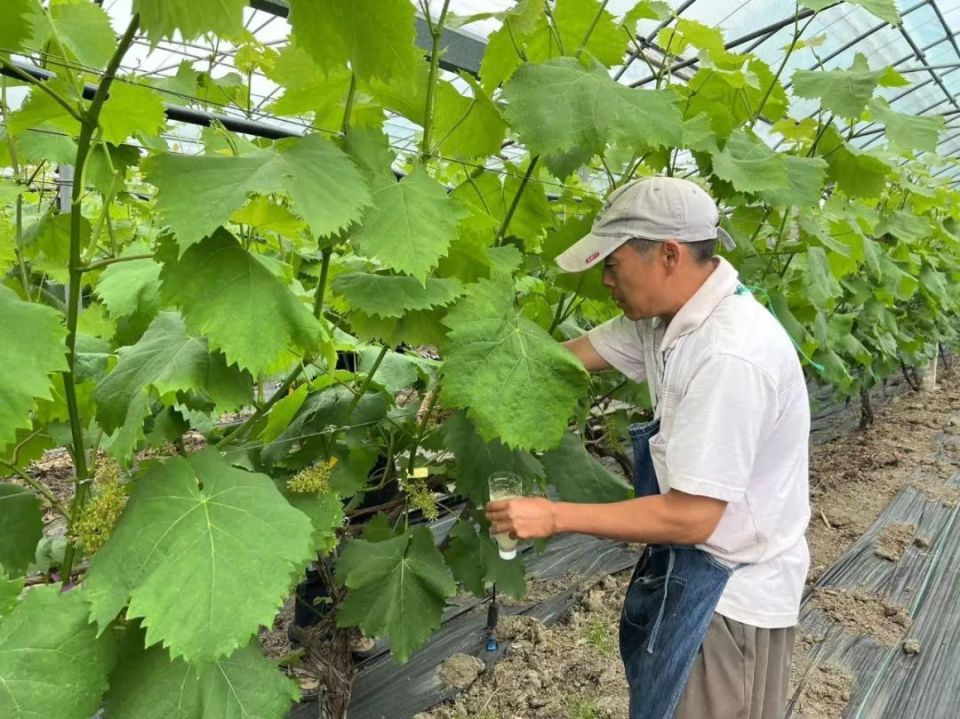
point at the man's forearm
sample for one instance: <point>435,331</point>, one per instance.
<point>671,518</point>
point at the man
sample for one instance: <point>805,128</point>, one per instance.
<point>720,474</point>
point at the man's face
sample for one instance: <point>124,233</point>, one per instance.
<point>637,281</point>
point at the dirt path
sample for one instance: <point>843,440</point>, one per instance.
<point>572,670</point>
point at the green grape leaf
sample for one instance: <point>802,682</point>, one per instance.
<point>41,110</point>
<point>398,588</point>
<point>148,684</point>
<point>282,413</point>
<point>805,180</point>
<point>906,226</point>
<point>131,109</point>
<point>685,33</point>
<point>307,87</point>
<point>477,459</point>
<point>476,562</point>
<point>466,127</point>
<point>18,24</point>
<point>33,346</point>
<point>504,46</point>
<point>9,593</point>
<point>410,226</point>
<point>901,285</point>
<point>182,557</point>
<point>883,9</point>
<point>266,216</point>
<point>646,10</point>
<point>396,371</point>
<point>22,521</point>
<point>52,664</point>
<point>579,477</point>
<point>326,188</point>
<point>580,20</point>
<point>81,29</point>
<point>596,110</point>
<point>167,363</point>
<point>395,295</point>
<point>844,92</point>
<point>231,297</point>
<point>906,131</point>
<point>325,513</point>
<point>126,288</point>
<point>417,327</point>
<point>162,18</point>
<point>748,163</point>
<point>377,37</point>
<point>517,383</point>
<point>820,283</point>
<point>857,173</point>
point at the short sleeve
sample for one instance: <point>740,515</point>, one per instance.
<point>618,342</point>
<point>718,427</point>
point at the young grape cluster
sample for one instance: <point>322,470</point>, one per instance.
<point>100,515</point>
<point>314,479</point>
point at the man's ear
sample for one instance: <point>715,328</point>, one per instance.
<point>670,252</point>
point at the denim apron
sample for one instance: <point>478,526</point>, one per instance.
<point>668,607</point>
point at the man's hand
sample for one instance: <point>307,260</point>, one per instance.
<point>524,517</point>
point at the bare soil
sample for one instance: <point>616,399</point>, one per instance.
<point>893,540</point>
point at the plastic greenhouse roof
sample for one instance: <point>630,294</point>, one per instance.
<point>924,48</point>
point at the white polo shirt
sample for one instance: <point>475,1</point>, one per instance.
<point>734,425</point>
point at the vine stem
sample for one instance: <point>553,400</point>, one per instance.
<point>112,261</point>
<point>593,26</point>
<point>84,141</point>
<point>431,403</point>
<point>436,32</point>
<point>37,486</point>
<point>504,226</point>
<point>797,33</point>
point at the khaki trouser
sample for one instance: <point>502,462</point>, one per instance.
<point>741,672</point>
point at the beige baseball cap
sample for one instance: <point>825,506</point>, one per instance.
<point>652,208</point>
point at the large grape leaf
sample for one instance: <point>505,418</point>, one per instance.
<point>515,381</point>
<point>52,664</point>
<point>844,92</point>
<point>579,20</point>
<point>230,296</point>
<point>398,588</point>
<point>395,295</point>
<point>169,364</point>
<point>805,180</point>
<point>857,173</point>
<point>476,562</point>
<point>411,224</point>
<point>22,522</point>
<point>32,346</point>
<point>579,477</point>
<point>131,109</point>
<point>162,18</point>
<point>148,684</point>
<point>417,327</point>
<point>325,512</point>
<point>477,459</point>
<point>506,47</point>
<point>467,127</point>
<point>81,29</point>
<point>204,553</point>
<point>906,131</point>
<point>9,592</point>
<point>326,188</point>
<point>559,106</point>
<point>18,24</point>
<point>748,163</point>
<point>377,37</point>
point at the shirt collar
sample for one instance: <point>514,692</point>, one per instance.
<point>722,282</point>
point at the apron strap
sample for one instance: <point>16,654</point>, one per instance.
<point>652,643</point>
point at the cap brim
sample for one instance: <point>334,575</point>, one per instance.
<point>588,252</point>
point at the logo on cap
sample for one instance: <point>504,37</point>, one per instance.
<point>591,258</point>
